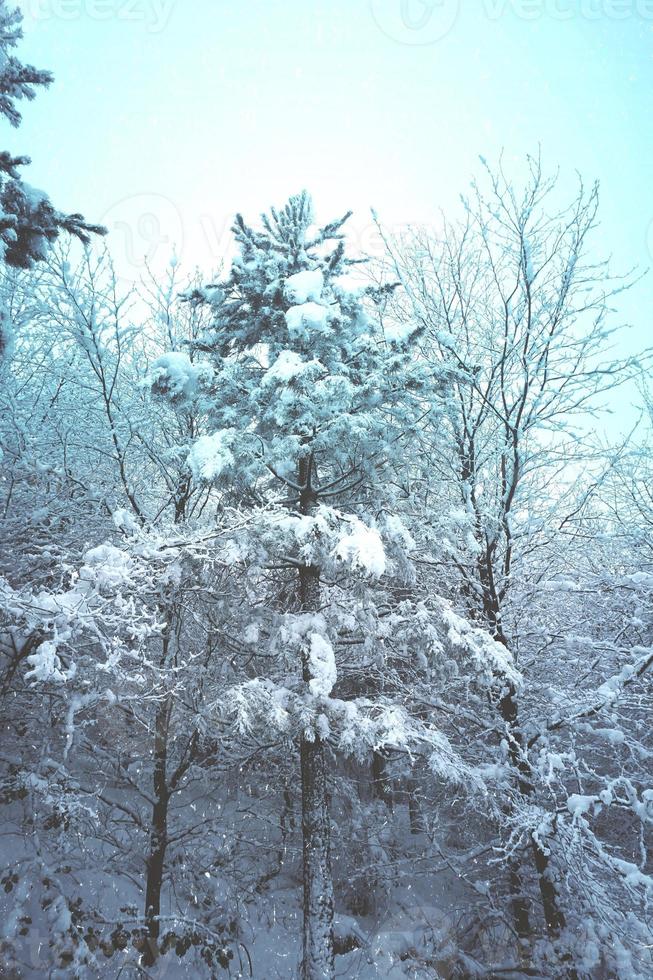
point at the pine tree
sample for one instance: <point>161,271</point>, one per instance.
<point>309,406</point>
<point>29,223</point>
<point>279,307</point>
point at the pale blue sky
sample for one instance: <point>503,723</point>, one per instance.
<point>169,115</point>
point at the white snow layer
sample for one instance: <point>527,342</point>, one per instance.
<point>211,455</point>
<point>288,366</point>
<point>125,520</point>
<point>579,805</point>
<point>307,316</point>
<point>323,666</point>
<point>106,566</point>
<point>45,664</point>
<point>175,375</point>
<point>362,547</point>
<point>304,286</point>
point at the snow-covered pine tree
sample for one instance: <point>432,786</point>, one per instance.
<point>295,373</point>
<point>28,221</point>
<point>307,407</point>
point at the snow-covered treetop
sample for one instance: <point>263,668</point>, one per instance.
<point>29,223</point>
<point>17,80</point>
<point>300,369</point>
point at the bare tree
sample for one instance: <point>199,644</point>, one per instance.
<point>512,296</point>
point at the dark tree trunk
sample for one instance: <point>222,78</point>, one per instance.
<point>520,903</point>
<point>553,915</point>
<point>508,707</point>
<point>318,950</point>
<point>159,833</point>
<point>318,961</point>
<point>381,785</point>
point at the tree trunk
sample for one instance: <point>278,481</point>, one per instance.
<point>318,952</point>
<point>554,917</point>
<point>318,962</point>
<point>520,903</point>
<point>159,833</point>
<point>381,784</point>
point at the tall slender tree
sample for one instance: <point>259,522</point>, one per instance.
<point>308,407</point>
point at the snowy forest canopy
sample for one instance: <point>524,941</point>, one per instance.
<point>325,615</point>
